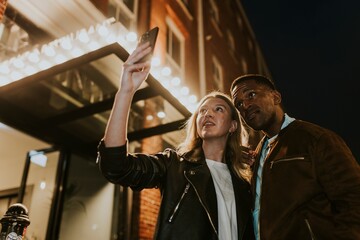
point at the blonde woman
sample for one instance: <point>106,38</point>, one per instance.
<point>204,183</point>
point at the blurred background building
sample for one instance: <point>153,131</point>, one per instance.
<point>60,62</point>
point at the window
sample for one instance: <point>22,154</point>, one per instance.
<point>124,11</point>
<point>214,12</point>
<point>240,22</point>
<point>174,48</point>
<point>185,2</point>
<point>12,38</point>
<point>231,41</point>
<point>217,73</point>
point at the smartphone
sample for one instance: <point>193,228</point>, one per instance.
<point>149,36</point>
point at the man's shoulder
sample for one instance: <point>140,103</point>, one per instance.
<point>309,128</point>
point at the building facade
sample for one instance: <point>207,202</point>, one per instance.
<point>60,103</point>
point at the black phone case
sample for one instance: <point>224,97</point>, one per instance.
<point>149,36</point>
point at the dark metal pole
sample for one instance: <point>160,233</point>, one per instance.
<point>54,222</point>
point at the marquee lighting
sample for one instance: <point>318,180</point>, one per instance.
<point>82,42</point>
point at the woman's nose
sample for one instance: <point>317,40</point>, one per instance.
<point>208,113</point>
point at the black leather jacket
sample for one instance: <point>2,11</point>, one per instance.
<point>189,207</point>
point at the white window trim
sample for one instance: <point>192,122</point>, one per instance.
<point>175,30</point>
<point>220,82</point>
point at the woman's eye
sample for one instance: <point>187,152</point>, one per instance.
<point>219,109</point>
<point>202,111</point>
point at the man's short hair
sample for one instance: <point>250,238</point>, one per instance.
<point>257,77</point>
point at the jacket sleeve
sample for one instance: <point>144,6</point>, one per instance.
<point>339,173</point>
<point>137,171</point>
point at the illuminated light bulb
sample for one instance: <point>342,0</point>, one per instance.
<point>110,38</point>
<point>4,81</point>
<point>184,101</point>
<point>48,51</point>
<point>29,70</point>
<point>131,37</point>
<point>42,185</point>
<point>149,117</point>
<point>4,68</point>
<point>102,31</point>
<point>44,65</point>
<point>83,36</point>
<point>175,92</point>
<point>184,90</point>
<point>19,63</point>
<point>175,81</point>
<point>165,83</point>
<point>91,30</point>
<point>34,56</point>
<point>192,99</point>
<point>66,44</point>
<point>166,71</point>
<point>94,45</point>
<point>60,58</point>
<point>76,52</point>
<point>15,75</point>
<point>191,108</point>
<point>161,114</point>
<point>155,61</point>
<point>155,72</point>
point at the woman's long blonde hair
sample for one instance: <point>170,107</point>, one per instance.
<point>192,145</point>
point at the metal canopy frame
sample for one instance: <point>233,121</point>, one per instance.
<point>47,129</point>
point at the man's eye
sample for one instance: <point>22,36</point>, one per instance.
<point>252,94</point>
<point>239,104</point>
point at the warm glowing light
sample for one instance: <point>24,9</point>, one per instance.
<point>184,90</point>
<point>48,50</point>
<point>29,70</point>
<point>4,68</point>
<point>66,44</point>
<point>34,56</point>
<point>42,185</point>
<point>15,75</point>
<point>83,36</point>
<point>175,81</point>
<point>19,63</point>
<point>161,114</point>
<point>131,37</point>
<point>155,61</point>
<point>82,42</point>
<point>192,99</point>
<point>166,71</point>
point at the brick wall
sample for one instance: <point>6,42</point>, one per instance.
<point>3,4</point>
<point>150,198</point>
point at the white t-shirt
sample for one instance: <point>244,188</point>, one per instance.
<point>225,200</point>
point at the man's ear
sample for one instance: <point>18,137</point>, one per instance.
<point>277,97</point>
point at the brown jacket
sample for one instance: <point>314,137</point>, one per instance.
<point>310,187</point>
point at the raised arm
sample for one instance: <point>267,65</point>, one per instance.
<point>133,74</point>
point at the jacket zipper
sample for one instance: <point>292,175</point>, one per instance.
<point>310,230</point>
<point>179,202</point>
<point>207,213</point>
<point>285,160</point>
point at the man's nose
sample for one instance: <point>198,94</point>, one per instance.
<point>246,103</point>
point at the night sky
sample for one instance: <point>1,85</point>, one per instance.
<point>312,49</point>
